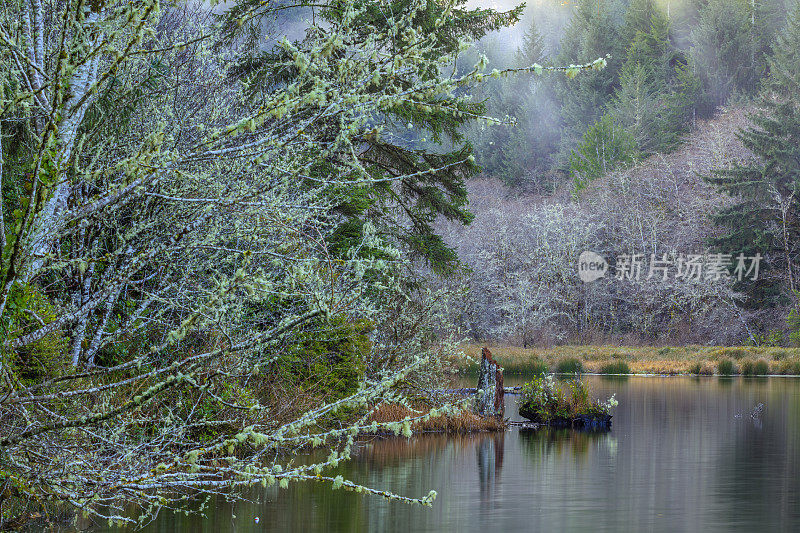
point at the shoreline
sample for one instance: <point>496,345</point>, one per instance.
<point>613,360</point>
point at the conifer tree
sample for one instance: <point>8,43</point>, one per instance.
<point>638,18</point>
<point>652,46</point>
<point>592,31</point>
<point>636,104</point>
<point>727,50</point>
<point>606,146</point>
<point>404,209</point>
<point>519,153</point>
<point>766,219</point>
<point>525,157</point>
<point>657,88</point>
<point>532,49</point>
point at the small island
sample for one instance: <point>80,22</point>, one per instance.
<point>543,402</point>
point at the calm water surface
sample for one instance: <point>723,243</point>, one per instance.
<point>684,454</point>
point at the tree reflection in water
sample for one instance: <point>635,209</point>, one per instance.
<point>490,463</point>
<point>676,459</point>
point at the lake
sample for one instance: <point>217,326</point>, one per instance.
<point>684,454</point>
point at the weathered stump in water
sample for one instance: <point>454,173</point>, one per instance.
<point>490,399</point>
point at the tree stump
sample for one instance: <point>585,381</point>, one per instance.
<point>490,400</point>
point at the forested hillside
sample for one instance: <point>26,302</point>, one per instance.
<point>685,146</point>
<point>521,252</point>
<point>672,64</point>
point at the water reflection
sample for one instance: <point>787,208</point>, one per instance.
<point>614,379</point>
<point>544,443</point>
<point>763,445</point>
<point>683,454</point>
<point>490,463</point>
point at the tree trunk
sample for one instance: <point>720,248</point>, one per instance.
<point>74,109</point>
<point>490,400</point>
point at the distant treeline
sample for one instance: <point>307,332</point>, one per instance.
<point>671,64</point>
<point>688,143</point>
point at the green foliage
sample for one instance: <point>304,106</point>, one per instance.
<point>128,346</point>
<point>725,367</point>
<point>696,368</point>
<point>726,50</point>
<point>542,400</point>
<point>761,219</point>
<point>532,48</point>
<point>593,31</point>
<point>16,184</point>
<point>579,397</point>
<point>28,308</point>
<point>779,355</point>
<point>657,89</point>
<point>416,152</point>
<point>731,352</point>
<point>638,19</point>
<point>537,367</point>
<point>638,108</point>
<point>772,337</point>
<point>793,320</point>
<point>789,367</point>
<point>327,359</point>
<point>606,146</point>
<point>119,101</point>
<point>615,367</point>
<point>569,365</point>
<point>520,154</point>
<point>754,368</point>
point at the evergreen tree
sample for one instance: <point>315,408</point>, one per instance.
<point>656,88</point>
<point>727,51</point>
<point>766,219</point>
<point>652,46</point>
<point>638,18</point>
<point>593,31</point>
<point>605,146</point>
<point>526,156</point>
<point>413,185</point>
<point>521,153</point>
<point>636,105</point>
<point>532,49</point>
<point>503,100</point>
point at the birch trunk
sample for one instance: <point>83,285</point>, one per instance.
<point>80,329</point>
<point>42,239</point>
<point>2,221</point>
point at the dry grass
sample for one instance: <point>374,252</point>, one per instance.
<point>465,421</point>
<point>640,359</point>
